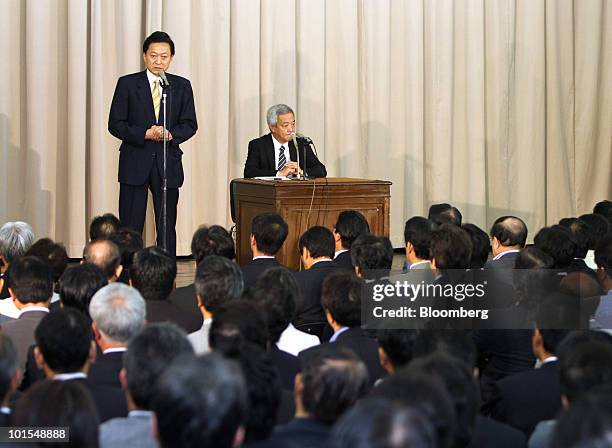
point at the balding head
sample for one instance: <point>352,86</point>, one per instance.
<point>104,254</point>
<point>508,233</point>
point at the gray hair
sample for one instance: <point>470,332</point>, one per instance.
<point>15,239</point>
<point>118,311</point>
<point>275,111</point>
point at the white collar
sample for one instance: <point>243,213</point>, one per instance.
<point>263,257</point>
<point>506,252</point>
<point>338,333</point>
<point>277,144</point>
<point>338,252</point>
<point>140,413</point>
<point>5,410</point>
<point>549,359</point>
<point>69,376</point>
<point>27,309</point>
<point>152,78</point>
<point>114,350</point>
<point>418,263</point>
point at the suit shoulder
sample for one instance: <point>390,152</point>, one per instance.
<point>260,140</point>
<point>178,80</point>
<point>130,77</point>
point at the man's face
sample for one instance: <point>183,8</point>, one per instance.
<point>157,57</point>
<point>285,125</point>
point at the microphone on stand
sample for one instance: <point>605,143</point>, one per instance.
<point>162,75</point>
<point>294,137</point>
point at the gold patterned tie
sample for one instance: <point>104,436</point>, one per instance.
<point>156,99</point>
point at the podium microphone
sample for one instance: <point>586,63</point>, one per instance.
<point>162,75</point>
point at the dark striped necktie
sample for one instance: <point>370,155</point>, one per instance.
<point>282,160</point>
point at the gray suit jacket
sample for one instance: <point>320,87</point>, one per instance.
<point>133,431</point>
<point>21,331</point>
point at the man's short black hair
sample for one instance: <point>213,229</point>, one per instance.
<point>371,252</point>
<point>397,345</point>
<point>557,242</point>
<point>129,241</point>
<point>8,364</point>
<point>341,296</point>
<point>218,280</point>
<point>581,234</point>
<point>235,324</point>
<point>333,380</point>
<point>481,245</point>
<point>451,247</point>
<point>30,279</point>
<point>153,273</point>
<point>200,401</point>
<point>158,37</point>
<point>417,231</point>
<point>213,240</point>
<point>270,231</point>
<point>148,355</point>
<point>54,254</point>
<point>78,284</point>
<point>457,343</point>
<point>350,225</point>
<point>64,339</point>
<point>444,214</point>
<point>103,226</point>
<point>103,253</point>
<point>319,241</point>
<point>276,292</point>
<point>598,228</point>
<point>604,208</point>
<point>551,338</point>
<point>509,231</point>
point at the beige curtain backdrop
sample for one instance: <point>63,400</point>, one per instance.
<point>497,106</point>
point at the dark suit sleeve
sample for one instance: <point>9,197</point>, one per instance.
<point>255,160</point>
<point>118,124</point>
<point>187,124</point>
<point>314,167</point>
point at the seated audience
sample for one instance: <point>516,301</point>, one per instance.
<point>78,284</point>
<point>103,226</point>
<point>417,236</point>
<point>104,254</point>
<point>148,355</point>
<point>349,226</point>
<point>15,240</point>
<point>189,392</point>
<point>217,280</point>
<point>53,254</point>
<point>268,233</point>
<point>10,377</point>
<point>371,253</point>
<point>444,214</point>
<point>153,274</point>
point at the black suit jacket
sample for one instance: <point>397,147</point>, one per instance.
<point>105,371</point>
<point>343,261</point>
<point>303,433</point>
<point>164,311</point>
<point>309,309</point>
<point>132,113</point>
<point>110,401</point>
<point>186,299</point>
<point>489,433</point>
<point>261,158</point>
<point>252,270</point>
<point>286,365</point>
<point>525,399</point>
<point>505,262</point>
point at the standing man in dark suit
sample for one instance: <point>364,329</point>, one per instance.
<point>136,118</point>
<point>274,154</point>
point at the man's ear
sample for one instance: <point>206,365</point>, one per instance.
<point>200,303</point>
<point>123,378</point>
<point>154,430</point>
<point>96,331</point>
<point>239,437</point>
<point>358,272</point>
<point>384,360</point>
<point>16,379</point>
<point>118,271</point>
<point>409,248</point>
<point>93,352</point>
<point>39,358</point>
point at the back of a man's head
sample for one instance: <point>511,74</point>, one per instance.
<point>509,231</point>
<point>371,252</point>
<point>331,382</point>
<point>417,231</point>
<point>63,338</point>
<point>397,346</point>
<point>103,226</point>
<point>557,242</point>
<point>604,208</point>
<point>148,355</point>
<point>270,231</point>
<point>319,241</point>
<point>15,240</point>
<point>54,254</point>
<point>200,402</point>
<point>8,365</point>
<point>129,241</point>
<point>481,245</point>
<point>31,280</point>
<point>213,240</point>
<point>603,255</point>
<point>598,228</point>
<point>350,225</point>
<point>105,254</point>
<point>451,247</point>
<point>552,338</point>
<point>341,297</point>
<point>78,284</point>
<point>581,234</point>
<point>458,343</point>
<point>217,280</point>
<point>118,311</point>
<point>444,214</point>
<point>152,273</point>
<point>235,324</point>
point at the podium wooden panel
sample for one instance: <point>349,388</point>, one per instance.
<point>304,204</point>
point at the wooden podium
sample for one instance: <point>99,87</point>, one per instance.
<point>303,204</point>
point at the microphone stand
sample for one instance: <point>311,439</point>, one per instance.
<point>164,216</point>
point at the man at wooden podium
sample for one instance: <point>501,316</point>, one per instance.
<point>274,154</point>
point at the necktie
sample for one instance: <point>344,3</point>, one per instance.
<point>156,99</point>
<point>282,160</point>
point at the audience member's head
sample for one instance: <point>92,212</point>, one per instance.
<point>217,280</point>
<point>370,253</point>
<point>129,241</point>
<point>276,293</point>
<point>330,383</point>
<point>378,422</point>
<point>10,373</point>
<point>481,245</point>
<point>316,243</point>
<point>30,281</point>
<point>557,242</point>
<point>104,254</point>
<point>604,208</point>
<point>103,226</point>
<point>451,247</point>
<point>341,299</point>
<point>237,323</point>
<point>395,348</point>
<point>200,402</point>
<point>213,240</point>
<point>349,225</point>
<point>581,234</point>
<point>15,240</point>
<point>508,233</point>
<point>78,284</point>
<point>268,233</point>
<point>152,273</point>
<point>545,342</point>
<point>417,237</point>
<point>54,254</point>
<point>458,343</point>
<point>118,312</point>
<point>444,214</point>
<point>63,342</point>
<point>598,228</point>
<point>66,404</point>
<point>148,355</point>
